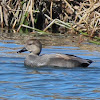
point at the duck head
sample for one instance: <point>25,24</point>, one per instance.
<point>34,46</point>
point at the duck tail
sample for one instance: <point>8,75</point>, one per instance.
<point>86,64</point>
<point>89,61</point>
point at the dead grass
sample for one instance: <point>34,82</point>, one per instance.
<point>81,16</point>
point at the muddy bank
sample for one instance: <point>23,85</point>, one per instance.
<point>51,40</point>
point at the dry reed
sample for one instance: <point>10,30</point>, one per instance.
<point>17,13</point>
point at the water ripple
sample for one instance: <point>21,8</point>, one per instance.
<point>48,83</point>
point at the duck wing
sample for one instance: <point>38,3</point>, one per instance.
<point>67,60</point>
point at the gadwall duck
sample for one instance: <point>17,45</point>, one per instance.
<point>34,59</point>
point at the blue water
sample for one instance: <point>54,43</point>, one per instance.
<point>18,82</point>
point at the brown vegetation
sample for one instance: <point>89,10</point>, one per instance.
<point>80,16</point>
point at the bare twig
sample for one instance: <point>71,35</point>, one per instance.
<point>1,16</point>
